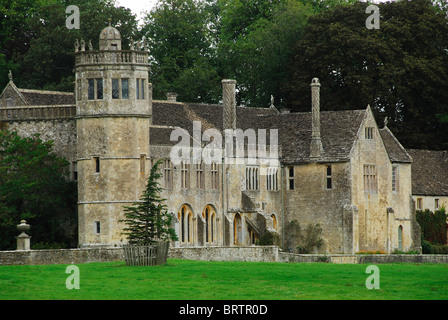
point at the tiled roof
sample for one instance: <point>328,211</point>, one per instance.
<point>47,98</point>
<point>395,150</point>
<point>338,128</point>
<point>429,172</point>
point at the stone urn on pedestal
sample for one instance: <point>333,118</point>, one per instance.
<point>23,240</point>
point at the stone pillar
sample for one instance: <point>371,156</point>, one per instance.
<point>316,143</point>
<point>229,104</point>
<point>23,240</point>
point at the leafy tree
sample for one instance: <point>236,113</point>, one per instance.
<point>148,221</point>
<point>34,186</point>
<point>256,41</point>
<point>180,39</point>
<point>41,45</point>
<point>401,69</point>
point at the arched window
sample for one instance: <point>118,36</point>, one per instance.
<point>209,215</point>
<point>400,238</point>
<point>186,231</point>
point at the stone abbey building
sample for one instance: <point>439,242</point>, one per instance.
<point>336,169</point>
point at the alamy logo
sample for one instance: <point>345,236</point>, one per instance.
<point>373,281</point>
<point>72,281</point>
<point>238,147</point>
<point>72,21</point>
<point>373,21</point>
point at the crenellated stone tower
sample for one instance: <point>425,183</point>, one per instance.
<point>113,113</point>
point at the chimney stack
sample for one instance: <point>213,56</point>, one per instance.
<point>316,143</point>
<point>171,96</point>
<point>229,104</point>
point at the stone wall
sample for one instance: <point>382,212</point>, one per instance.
<point>61,131</point>
<point>85,255</point>
<point>60,256</point>
<point>361,258</point>
<point>252,253</point>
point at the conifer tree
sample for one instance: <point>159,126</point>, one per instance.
<point>148,220</point>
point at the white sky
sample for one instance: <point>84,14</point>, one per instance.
<point>137,6</point>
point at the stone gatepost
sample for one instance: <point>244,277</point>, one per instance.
<point>23,240</point>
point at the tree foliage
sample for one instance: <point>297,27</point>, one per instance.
<point>34,186</point>
<point>401,69</point>
<point>179,34</point>
<point>34,37</point>
<point>433,225</point>
<point>148,221</point>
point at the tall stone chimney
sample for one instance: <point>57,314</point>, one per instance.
<point>316,143</point>
<point>229,104</point>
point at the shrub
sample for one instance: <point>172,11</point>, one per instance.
<point>433,225</point>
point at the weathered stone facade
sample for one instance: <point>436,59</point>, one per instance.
<point>335,169</point>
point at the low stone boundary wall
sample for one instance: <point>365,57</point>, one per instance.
<point>252,253</point>
<point>61,256</point>
<point>361,258</point>
<point>85,255</point>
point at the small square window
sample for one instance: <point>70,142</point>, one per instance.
<point>99,89</point>
<point>91,89</point>
<point>115,89</point>
<point>124,89</point>
<point>97,164</point>
<point>97,227</point>
<point>291,178</point>
<point>369,133</point>
<point>329,177</point>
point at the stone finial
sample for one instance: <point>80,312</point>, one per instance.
<point>83,45</point>
<point>90,45</point>
<point>272,101</point>
<point>76,45</point>
<point>386,120</point>
<point>110,21</point>
<point>10,75</point>
<point>131,44</point>
<point>23,240</point>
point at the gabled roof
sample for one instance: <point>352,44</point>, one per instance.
<point>29,97</point>
<point>393,147</point>
<point>47,98</point>
<point>338,128</point>
<point>429,172</point>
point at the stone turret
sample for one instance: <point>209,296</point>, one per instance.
<point>113,113</point>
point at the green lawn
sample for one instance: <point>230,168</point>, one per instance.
<point>191,280</point>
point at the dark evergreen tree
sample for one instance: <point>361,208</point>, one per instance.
<point>148,220</point>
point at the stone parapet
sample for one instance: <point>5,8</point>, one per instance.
<point>31,113</point>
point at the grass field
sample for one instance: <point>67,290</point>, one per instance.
<point>192,280</point>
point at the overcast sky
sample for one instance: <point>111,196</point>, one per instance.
<point>137,6</point>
